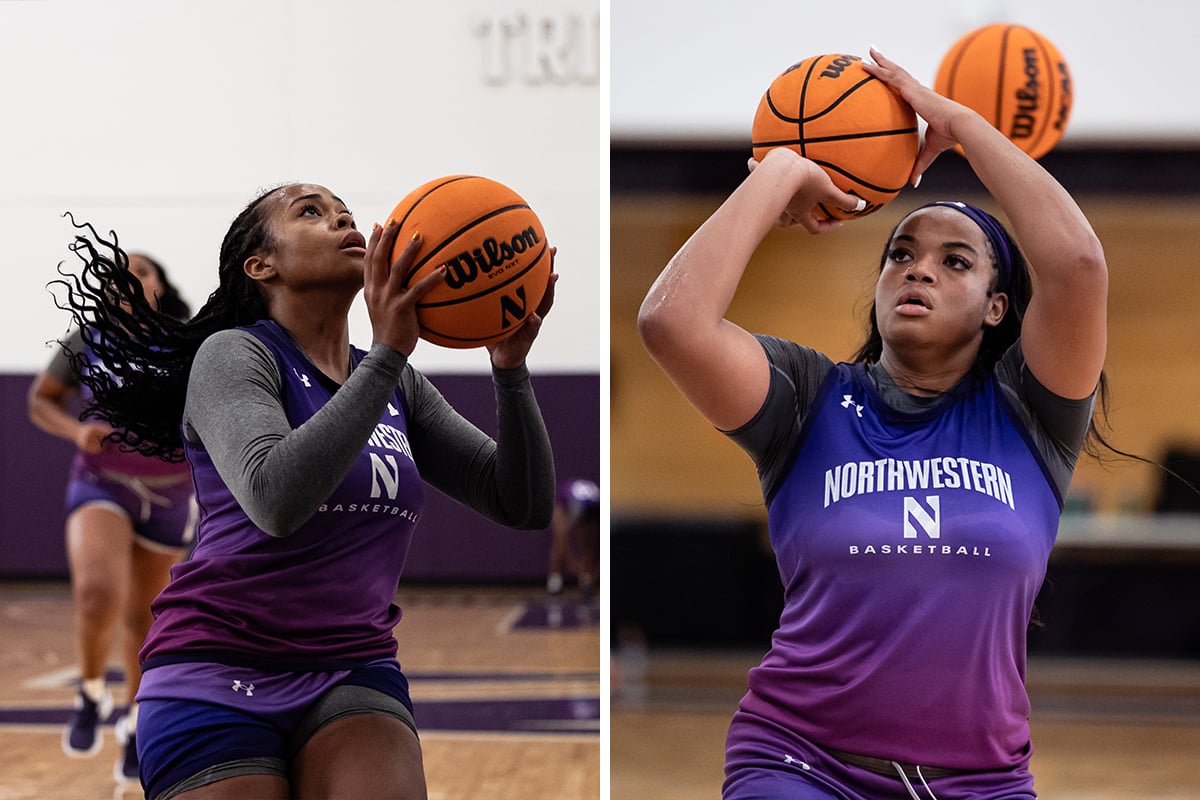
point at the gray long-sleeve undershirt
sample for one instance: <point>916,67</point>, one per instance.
<point>280,475</point>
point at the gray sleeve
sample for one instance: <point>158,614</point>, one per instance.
<point>770,438</point>
<point>1057,426</point>
<point>235,412</point>
<point>59,367</point>
<point>509,479</point>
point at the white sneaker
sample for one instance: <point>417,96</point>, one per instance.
<point>126,768</point>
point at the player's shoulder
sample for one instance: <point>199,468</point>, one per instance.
<point>231,350</point>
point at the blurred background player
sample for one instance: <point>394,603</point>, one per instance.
<point>129,519</point>
<point>575,536</point>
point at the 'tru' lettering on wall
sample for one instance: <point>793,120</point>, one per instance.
<point>561,48</point>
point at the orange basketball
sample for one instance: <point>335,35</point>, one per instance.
<point>828,109</point>
<point>495,252</point>
<point>1016,79</point>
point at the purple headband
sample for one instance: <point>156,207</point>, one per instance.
<point>994,231</point>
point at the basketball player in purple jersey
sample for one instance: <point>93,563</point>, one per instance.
<point>129,518</point>
<point>270,670</point>
<point>913,496</point>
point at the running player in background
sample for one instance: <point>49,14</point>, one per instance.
<point>914,495</point>
<point>270,669</point>
<point>129,518</point>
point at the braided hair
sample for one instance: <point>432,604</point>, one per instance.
<point>148,353</point>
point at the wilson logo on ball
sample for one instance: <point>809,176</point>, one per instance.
<point>1027,98</point>
<point>490,255</point>
<point>837,66</point>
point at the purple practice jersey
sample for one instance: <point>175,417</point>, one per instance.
<point>319,597</point>
<point>911,546</point>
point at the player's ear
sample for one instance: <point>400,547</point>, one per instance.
<point>258,269</point>
<point>997,307</point>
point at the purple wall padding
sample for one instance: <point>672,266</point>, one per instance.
<point>33,479</point>
<point>452,542</point>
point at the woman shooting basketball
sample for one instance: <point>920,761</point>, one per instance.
<point>270,670</point>
<point>913,496</point>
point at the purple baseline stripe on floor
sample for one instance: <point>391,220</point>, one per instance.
<point>561,715</point>
<point>48,716</point>
<point>417,676</point>
<point>117,677</point>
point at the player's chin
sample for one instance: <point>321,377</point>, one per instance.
<point>902,331</point>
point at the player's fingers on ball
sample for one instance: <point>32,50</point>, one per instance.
<point>810,223</point>
<point>850,203</point>
<point>375,263</point>
<point>879,59</point>
<point>408,254</point>
<point>924,159</point>
<point>426,283</point>
<point>547,300</point>
<point>374,238</point>
<point>531,326</point>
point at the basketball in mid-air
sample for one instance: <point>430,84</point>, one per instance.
<point>495,252</point>
<point>830,110</point>
<point>1016,79</point>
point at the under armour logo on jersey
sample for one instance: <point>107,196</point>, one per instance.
<point>392,410</point>
<point>238,686</point>
<point>303,378</point>
<point>848,402</point>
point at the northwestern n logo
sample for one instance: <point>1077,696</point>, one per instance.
<point>510,305</point>
<point>927,517</point>
<point>385,476</point>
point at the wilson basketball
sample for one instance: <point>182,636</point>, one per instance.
<point>495,253</point>
<point>829,110</point>
<point>1016,79</point>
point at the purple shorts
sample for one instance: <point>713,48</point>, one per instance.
<point>184,744</point>
<point>160,508</point>
<point>764,761</point>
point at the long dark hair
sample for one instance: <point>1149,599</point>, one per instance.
<point>148,353</point>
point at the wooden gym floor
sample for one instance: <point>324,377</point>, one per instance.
<point>1102,730</point>
<point>508,693</point>
<point>506,684</point>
